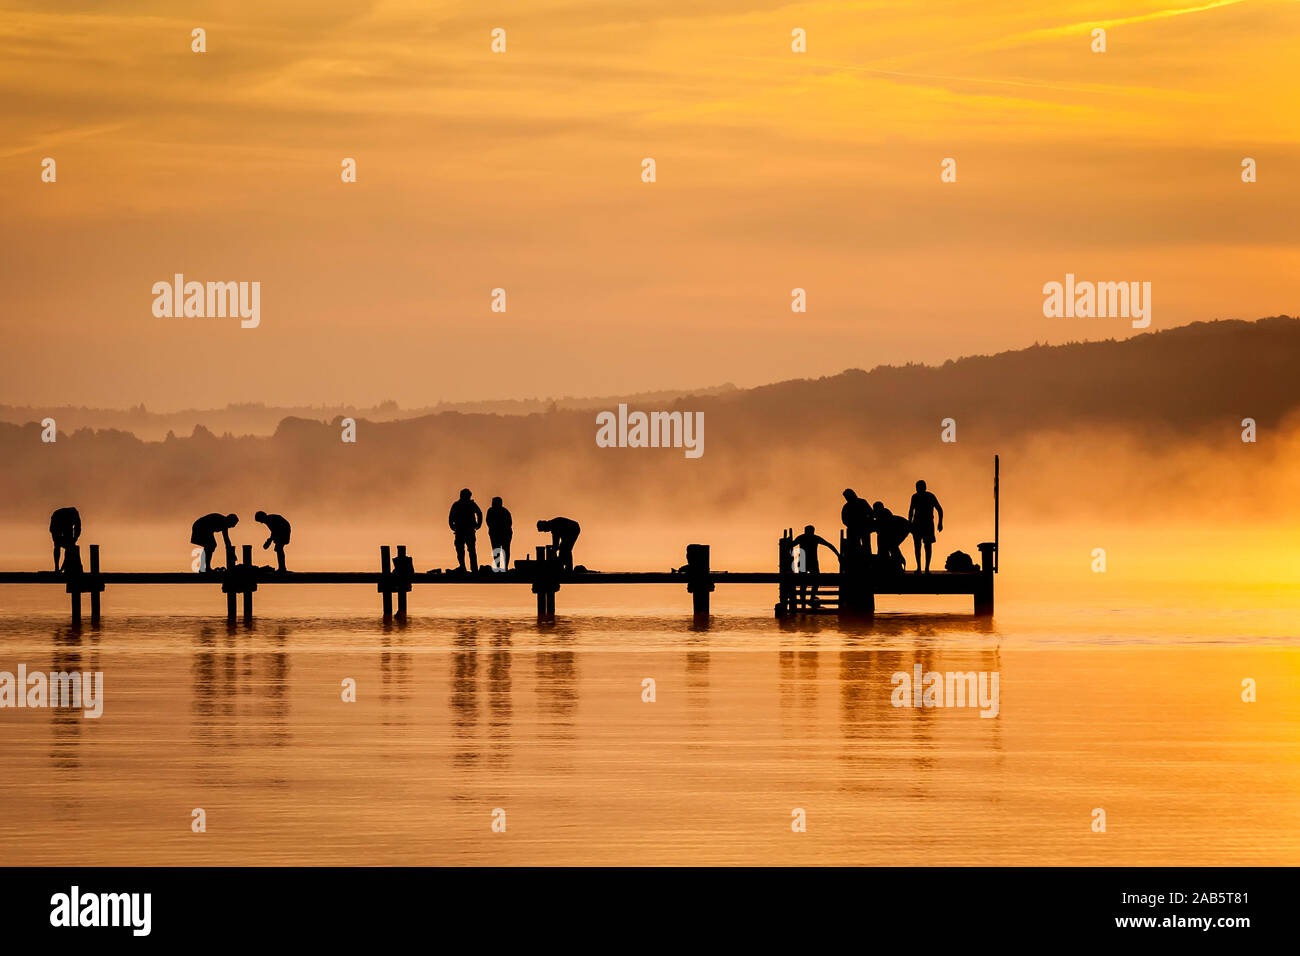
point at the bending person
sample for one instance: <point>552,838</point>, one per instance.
<point>891,531</point>
<point>856,515</point>
<point>564,532</point>
<point>280,530</point>
<point>204,534</point>
<point>65,529</point>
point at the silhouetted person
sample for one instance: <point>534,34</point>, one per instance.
<point>564,532</point>
<point>279,529</point>
<point>500,531</point>
<point>808,543</point>
<point>856,515</point>
<point>921,514</point>
<point>891,531</point>
<point>465,519</point>
<point>204,534</point>
<point>65,529</point>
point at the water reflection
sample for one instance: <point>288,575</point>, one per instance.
<point>697,660</point>
<point>500,708</point>
<point>240,683</point>
<point>463,698</point>
<point>72,649</point>
<point>556,678</point>
<point>477,685</point>
<point>394,680</point>
<point>751,716</point>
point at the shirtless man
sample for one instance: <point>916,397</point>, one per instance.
<point>921,514</point>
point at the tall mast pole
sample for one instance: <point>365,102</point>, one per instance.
<point>996,552</point>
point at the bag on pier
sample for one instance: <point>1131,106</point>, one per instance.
<point>959,561</point>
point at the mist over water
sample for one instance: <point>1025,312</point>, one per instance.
<point>1120,690</point>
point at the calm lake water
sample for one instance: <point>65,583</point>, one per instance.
<point>470,708</point>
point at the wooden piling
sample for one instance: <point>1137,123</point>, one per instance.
<point>403,571</point>
<point>228,584</point>
<point>785,573</point>
<point>248,583</point>
<point>72,558</point>
<point>698,582</point>
<point>96,586</point>
<point>984,587</point>
<point>552,580</point>
<point>538,588</point>
<point>857,590</point>
<point>546,581</point>
<point>386,570</point>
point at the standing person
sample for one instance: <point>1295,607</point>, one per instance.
<point>891,531</point>
<point>921,514</point>
<point>279,529</point>
<point>856,515</point>
<point>808,543</point>
<point>564,532</point>
<point>204,534</point>
<point>65,529</point>
<point>465,519</point>
<point>500,531</point>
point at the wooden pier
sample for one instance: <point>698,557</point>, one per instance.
<point>845,593</point>
<point>850,592</point>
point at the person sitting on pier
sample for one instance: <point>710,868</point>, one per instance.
<point>564,532</point>
<point>856,515</point>
<point>465,519</point>
<point>921,514</point>
<point>279,529</point>
<point>891,531</point>
<point>204,534</point>
<point>808,543</point>
<point>65,529</point>
<point>500,531</point>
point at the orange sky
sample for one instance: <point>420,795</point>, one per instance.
<point>522,170</point>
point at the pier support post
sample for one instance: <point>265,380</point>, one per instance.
<point>785,573</point>
<point>857,591</point>
<point>546,582</point>
<point>72,563</point>
<point>239,579</point>
<point>403,569</point>
<point>984,586</point>
<point>228,584</point>
<point>96,586</point>
<point>385,572</point>
<point>248,583</point>
<point>698,582</point>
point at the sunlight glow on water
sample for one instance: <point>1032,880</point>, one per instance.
<point>469,708</point>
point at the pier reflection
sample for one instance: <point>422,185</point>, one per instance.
<point>240,683</point>
<point>72,649</point>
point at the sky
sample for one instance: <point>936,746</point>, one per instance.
<point>522,170</point>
